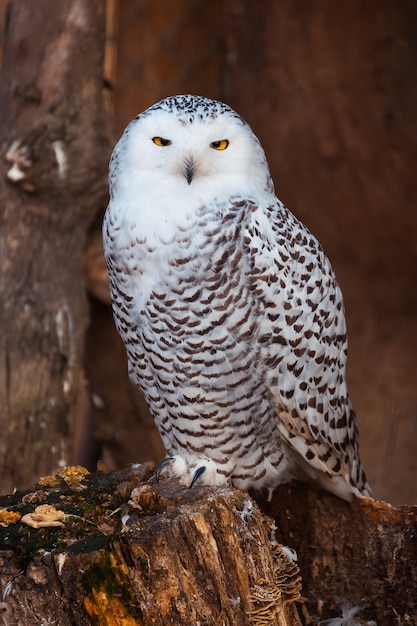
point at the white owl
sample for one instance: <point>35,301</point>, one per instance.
<point>231,315</point>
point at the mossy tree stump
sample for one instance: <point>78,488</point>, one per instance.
<point>130,551</point>
<point>118,548</point>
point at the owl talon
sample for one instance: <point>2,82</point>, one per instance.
<point>161,466</point>
<point>200,470</point>
<point>176,466</point>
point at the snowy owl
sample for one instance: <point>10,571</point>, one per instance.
<point>229,310</point>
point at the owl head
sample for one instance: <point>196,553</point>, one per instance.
<point>189,147</point>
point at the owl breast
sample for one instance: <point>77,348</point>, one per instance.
<point>189,318</point>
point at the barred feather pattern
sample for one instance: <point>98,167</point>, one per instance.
<point>233,323</point>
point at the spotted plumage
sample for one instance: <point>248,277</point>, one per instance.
<point>230,312</point>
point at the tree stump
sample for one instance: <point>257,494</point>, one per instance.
<point>117,548</point>
<point>126,550</point>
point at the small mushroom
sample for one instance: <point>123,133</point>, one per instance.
<point>43,516</point>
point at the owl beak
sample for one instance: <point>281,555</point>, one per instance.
<point>189,171</point>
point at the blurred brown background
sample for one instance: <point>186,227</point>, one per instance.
<point>331,91</point>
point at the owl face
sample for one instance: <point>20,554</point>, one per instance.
<point>192,146</point>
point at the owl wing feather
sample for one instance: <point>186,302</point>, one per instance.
<point>303,334</point>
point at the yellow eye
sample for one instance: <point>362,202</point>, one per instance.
<point>219,145</point>
<point>160,141</point>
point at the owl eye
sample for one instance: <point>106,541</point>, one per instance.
<point>219,145</point>
<point>160,141</point>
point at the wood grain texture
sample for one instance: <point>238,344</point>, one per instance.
<point>54,149</point>
<point>361,553</point>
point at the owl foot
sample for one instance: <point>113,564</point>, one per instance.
<point>177,466</point>
<point>207,469</point>
<point>200,470</point>
<point>161,466</point>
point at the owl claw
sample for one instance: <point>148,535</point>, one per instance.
<point>200,470</point>
<point>176,466</point>
<point>161,466</point>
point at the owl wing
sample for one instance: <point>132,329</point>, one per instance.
<point>303,341</point>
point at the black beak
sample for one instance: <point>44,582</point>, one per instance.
<point>189,172</point>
